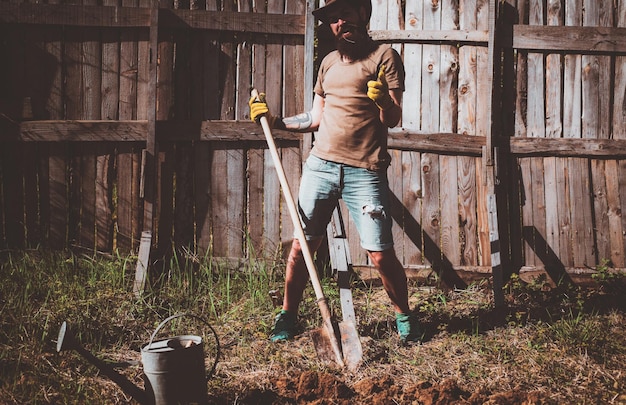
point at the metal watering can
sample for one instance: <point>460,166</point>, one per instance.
<point>173,367</point>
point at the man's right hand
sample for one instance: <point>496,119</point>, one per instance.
<point>259,108</point>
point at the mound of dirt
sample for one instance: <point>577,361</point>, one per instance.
<point>321,388</point>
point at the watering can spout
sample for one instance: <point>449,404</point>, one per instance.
<point>67,341</point>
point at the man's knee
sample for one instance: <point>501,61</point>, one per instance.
<point>383,258</point>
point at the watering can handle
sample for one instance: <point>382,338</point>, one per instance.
<point>217,342</point>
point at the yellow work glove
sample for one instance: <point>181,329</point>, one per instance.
<point>378,90</point>
<point>259,108</point>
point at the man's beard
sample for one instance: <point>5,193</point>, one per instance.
<point>359,46</point>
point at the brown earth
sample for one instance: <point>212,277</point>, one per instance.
<point>322,388</point>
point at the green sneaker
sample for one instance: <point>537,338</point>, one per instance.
<point>284,327</point>
<point>408,328</point>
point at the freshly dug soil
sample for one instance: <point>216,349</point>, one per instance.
<point>322,388</point>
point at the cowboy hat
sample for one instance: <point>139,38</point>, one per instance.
<point>331,5</point>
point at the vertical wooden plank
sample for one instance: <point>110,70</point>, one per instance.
<point>582,218</point>
<point>10,155</point>
<point>274,89</point>
<point>183,196</point>
<point>431,211</point>
<point>521,103</point>
<point>197,46</point>
<point>236,200</point>
<point>493,79</point>
<point>13,191</point>
<point>412,201</point>
<point>598,71</point>
<point>394,173</point>
<point>468,93</point>
<point>509,188</point>
<point>411,110</point>
<point>572,125</point>
<point>476,229</point>
<point>554,129</point>
<point>202,179</point>
<point>126,203</point>
<point>312,49</point>
<point>234,157</point>
<point>52,204</point>
<point>451,210</point>
<point>91,101</point>
<point>293,104</point>
<point>411,100</point>
<point>163,207</point>
<point>105,152</point>
<point>184,107</point>
<point>615,174</point>
<point>255,203</point>
<point>149,164</point>
<point>241,193</point>
<point>379,18</point>
<point>73,81</point>
<point>256,157</point>
<point>557,199</point>
<point>622,193</point>
<point>201,46</point>
<point>430,204</point>
<point>271,203</point>
<point>219,199</point>
<point>34,91</point>
<point>203,153</point>
<point>572,110</point>
<point>534,210</point>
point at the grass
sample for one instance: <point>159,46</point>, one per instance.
<point>566,343</point>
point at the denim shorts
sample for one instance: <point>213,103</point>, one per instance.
<point>365,193</point>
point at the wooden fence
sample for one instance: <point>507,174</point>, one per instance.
<point>117,117</point>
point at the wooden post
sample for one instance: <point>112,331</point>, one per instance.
<point>148,164</point>
<point>490,165</point>
<point>309,55</point>
<point>340,260</point>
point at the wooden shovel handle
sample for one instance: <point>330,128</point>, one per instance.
<point>291,205</point>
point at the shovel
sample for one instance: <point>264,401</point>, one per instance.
<point>325,339</point>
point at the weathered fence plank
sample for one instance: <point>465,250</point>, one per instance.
<point>554,129</point>
<point>163,209</point>
<point>616,175</point>
<point>452,204</point>
<point>468,93</point>
<point>256,157</point>
<point>431,214</point>
<point>600,74</point>
<point>127,231</point>
<point>411,118</point>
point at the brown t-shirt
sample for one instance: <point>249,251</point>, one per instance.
<point>350,131</point>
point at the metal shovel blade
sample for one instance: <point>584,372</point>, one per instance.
<point>351,345</point>
<point>351,349</point>
<point>327,345</point>
<point>321,342</point>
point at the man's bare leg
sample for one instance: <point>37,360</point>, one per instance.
<point>395,284</point>
<point>393,277</point>
<point>296,278</point>
<point>296,275</point>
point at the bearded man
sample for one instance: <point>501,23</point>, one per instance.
<point>358,96</point>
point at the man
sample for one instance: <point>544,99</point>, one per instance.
<point>358,95</point>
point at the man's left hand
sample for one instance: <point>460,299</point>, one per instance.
<point>378,91</point>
